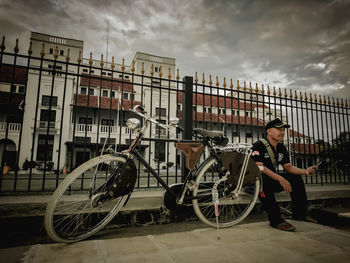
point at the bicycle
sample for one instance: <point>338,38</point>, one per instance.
<point>110,180</point>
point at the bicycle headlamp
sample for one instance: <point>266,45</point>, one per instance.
<point>133,123</point>
<point>173,121</point>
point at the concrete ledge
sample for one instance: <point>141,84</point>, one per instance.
<point>35,205</point>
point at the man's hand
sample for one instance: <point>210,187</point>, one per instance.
<point>285,184</point>
<point>310,171</point>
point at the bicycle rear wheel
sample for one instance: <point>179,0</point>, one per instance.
<point>80,207</point>
<point>231,210</point>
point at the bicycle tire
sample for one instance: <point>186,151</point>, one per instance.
<point>79,219</point>
<point>231,210</point>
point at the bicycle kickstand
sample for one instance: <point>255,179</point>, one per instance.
<point>215,196</point>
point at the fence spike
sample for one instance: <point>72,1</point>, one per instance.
<point>320,98</point>
<point>133,67</point>
<point>160,72</point>
<point>238,87</point>
<point>203,79</point>
<point>268,90</point>
<point>274,91</point>
<point>295,95</point>
<point>152,70</point>
<point>262,89</point>
<point>306,99</point>
<point>177,75</point>
<point>341,102</point>
<point>30,50</point>
<point>279,92</point>
<point>42,52</point>
<point>333,102</point>
<point>16,49</point>
<point>346,103</point>
<point>338,102</point>
<point>310,97</point>
<point>143,69</point>
<point>169,73</point>
<point>210,81</point>
<point>79,57</point>
<point>101,62</point>
<point>196,78</point>
<point>256,88</point>
<point>231,84</point>
<point>285,93</point>
<point>217,81</point>
<point>224,84</point>
<point>301,95</point>
<point>55,55</point>
<point>123,65</point>
<point>250,87</point>
<point>290,94</point>
<point>329,101</point>
<point>112,64</point>
<point>315,98</point>
<point>244,86</point>
<point>90,60</point>
<point>68,55</point>
<point>2,46</point>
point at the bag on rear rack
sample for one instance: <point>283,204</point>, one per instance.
<point>233,161</point>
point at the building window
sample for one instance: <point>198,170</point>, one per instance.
<point>103,73</point>
<point>204,109</point>
<point>82,139</point>
<point>85,70</point>
<point>51,50</point>
<point>13,89</point>
<point>21,89</point>
<point>105,93</point>
<point>46,100</point>
<point>109,74</point>
<point>161,112</point>
<point>92,71</point>
<point>224,111</point>
<point>61,52</point>
<point>113,94</point>
<point>91,92</point>
<point>125,96</point>
<point>46,115</point>
<point>233,112</point>
<point>45,147</point>
<point>155,69</point>
<point>107,122</point>
<point>127,76</point>
<point>159,151</point>
<point>132,96</point>
<point>82,90</point>
<point>194,108</point>
<point>235,134</point>
<point>178,107</point>
<point>209,110</point>
<point>83,120</point>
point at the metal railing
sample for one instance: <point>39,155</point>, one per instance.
<point>88,102</point>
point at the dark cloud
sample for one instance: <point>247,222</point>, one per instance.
<point>303,45</point>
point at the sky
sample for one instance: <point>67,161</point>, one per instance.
<point>302,45</point>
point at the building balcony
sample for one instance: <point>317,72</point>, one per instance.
<point>13,130</point>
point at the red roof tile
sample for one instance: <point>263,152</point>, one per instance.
<point>105,82</point>
<point>6,74</point>
<point>303,148</point>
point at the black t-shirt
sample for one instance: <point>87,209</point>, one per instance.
<point>260,154</point>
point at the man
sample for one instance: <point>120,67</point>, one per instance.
<point>291,182</point>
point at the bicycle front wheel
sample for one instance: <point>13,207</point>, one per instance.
<point>231,210</point>
<point>79,207</point>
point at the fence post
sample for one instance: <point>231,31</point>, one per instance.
<point>187,106</point>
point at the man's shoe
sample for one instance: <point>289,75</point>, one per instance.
<point>285,226</point>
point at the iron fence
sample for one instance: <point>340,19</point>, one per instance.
<point>56,113</point>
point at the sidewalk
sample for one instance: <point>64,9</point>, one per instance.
<point>35,205</point>
<point>256,242</point>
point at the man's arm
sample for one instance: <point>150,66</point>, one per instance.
<point>283,182</point>
<point>295,170</point>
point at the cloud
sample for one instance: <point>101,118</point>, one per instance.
<point>302,45</point>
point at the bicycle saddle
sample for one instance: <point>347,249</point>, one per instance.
<point>210,134</point>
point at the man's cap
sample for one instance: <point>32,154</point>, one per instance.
<point>276,123</point>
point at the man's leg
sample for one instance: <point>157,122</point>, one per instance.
<point>298,195</point>
<point>272,208</point>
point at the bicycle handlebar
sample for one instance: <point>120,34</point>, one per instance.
<point>147,118</point>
